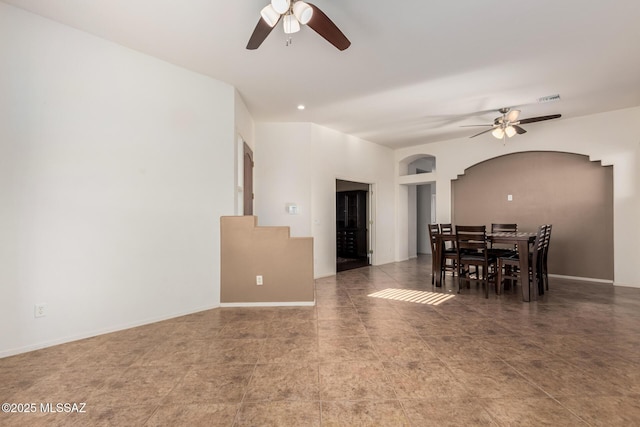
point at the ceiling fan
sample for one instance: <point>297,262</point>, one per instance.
<point>508,124</point>
<point>293,13</point>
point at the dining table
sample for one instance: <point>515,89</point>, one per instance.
<point>522,240</point>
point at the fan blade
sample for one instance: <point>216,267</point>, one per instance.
<point>473,126</point>
<point>321,24</point>
<point>539,119</point>
<point>260,33</point>
<point>519,130</point>
<point>484,131</point>
<point>513,115</point>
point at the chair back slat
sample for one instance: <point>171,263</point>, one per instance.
<point>471,244</point>
<point>547,237</point>
<point>477,233</point>
<point>504,228</point>
<point>471,237</point>
<point>501,228</point>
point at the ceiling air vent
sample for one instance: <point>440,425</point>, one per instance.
<point>549,98</point>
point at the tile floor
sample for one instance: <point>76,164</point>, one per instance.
<point>572,358</point>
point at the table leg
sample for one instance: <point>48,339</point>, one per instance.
<point>523,248</point>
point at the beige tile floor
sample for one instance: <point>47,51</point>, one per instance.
<point>572,358</point>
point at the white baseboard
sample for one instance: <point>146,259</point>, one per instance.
<point>58,341</point>
<point>322,276</point>
<point>583,279</point>
<point>269,304</point>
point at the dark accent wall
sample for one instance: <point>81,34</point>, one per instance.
<point>566,190</point>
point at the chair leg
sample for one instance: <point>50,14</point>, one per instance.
<point>433,268</point>
<point>464,276</point>
<point>540,283</point>
<point>545,272</point>
<point>541,278</point>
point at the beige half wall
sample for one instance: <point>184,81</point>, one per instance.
<point>284,263</point>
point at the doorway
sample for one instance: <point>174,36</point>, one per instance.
<point>352,225</point>
<point>425,214</point>
<point>247,181</point>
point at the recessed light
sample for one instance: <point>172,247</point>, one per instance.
<point>300,107</point>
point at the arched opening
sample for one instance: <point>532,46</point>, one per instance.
<point>532,188</point>
<point>417,164</point>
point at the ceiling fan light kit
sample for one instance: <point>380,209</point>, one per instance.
<point>499,133</point>
<point>270,16</point>
<point>513,115</point>
<point>290,24</point>
<point>293,14</point>
<point>280,6</point>
<point>303,12</point>
<point>508,124</point>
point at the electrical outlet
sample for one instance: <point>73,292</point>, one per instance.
<point>259,280</point>
<point>40,310</point>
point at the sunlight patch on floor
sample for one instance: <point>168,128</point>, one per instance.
<point>409,295</point>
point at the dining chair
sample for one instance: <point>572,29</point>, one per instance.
<point>433,230</point>
<point>502,249</point>
<point>472,250</point>
<point>450,252</point>
<point>509,266</point>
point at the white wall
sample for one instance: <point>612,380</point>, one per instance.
<point>282,175</point>
<point>299,163</point>
<point>115,169</point>
<point>612,137</point>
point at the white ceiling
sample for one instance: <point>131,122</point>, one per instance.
<point>416,70</point>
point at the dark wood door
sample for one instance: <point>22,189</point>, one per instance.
<point>247,184</point>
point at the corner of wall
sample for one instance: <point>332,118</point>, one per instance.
<point>244,124</point>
